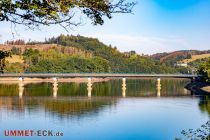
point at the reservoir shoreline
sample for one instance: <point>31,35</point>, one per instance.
<point>199,88</point>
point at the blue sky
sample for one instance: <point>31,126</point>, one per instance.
<point>156,26</point>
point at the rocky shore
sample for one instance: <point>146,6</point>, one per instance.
<point>199,88</point>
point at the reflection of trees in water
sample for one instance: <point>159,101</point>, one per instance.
<point>204,104</point>
<point>174,87</point>
<point>135,87</point>
<point>72,89</point>
<point>57,107</point>
<point>38,89</point>
<point>9,89</point>
<point>169,87</point>
<point>77,108</point>
<point>13,104</point>
<point>141,87</point>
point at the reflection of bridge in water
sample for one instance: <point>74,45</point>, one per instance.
<point>89,76</point>
<point>89,87</point>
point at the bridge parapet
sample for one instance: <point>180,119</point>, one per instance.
<point>97,75</point>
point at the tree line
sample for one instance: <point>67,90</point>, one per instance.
<point>103,58</point>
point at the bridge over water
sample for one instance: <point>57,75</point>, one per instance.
<point>97,75</point>
<point>89,76</point>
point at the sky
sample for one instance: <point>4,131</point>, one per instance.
<point>155,26</point>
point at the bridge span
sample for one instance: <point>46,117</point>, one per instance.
<point>55,76</point>
<point>96,75</point>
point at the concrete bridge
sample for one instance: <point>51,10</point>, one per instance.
<point>89,76</point>
<point>97,75</point>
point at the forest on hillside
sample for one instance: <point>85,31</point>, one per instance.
<point>101,58</point>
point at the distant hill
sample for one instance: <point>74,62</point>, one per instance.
<point>180,56</point>
<point>68,53</point>
<point>43,48</point>
<point>195,57</point>
<point>119,62</point>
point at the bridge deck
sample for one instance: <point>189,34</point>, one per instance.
<point>95,75</point>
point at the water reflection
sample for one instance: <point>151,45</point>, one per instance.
<point>61,107</point>
<point>204,104</point>
<point>158,87</point>
<point>69,108</point>
<point>118,88</point>
<point>89,87</point>
<point>41,94</point>
<point>21,89</point>
<point>123,87</point>
<point>55,87</point>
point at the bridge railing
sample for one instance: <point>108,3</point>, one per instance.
<point>95,75</point>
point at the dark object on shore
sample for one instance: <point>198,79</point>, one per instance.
<point>196,88</point>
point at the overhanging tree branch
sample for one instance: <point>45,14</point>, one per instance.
<point>33,13</point>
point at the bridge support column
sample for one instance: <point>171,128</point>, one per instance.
<point>55,87</point>
<point>158,87</point>
<point>123,87</point>
<point>21,87</point>
<point>89,87</point>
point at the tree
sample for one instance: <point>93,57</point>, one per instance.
<point>202,133</point>
<point>33,13</point>
<point>204,70</point>
<point>3,55</point>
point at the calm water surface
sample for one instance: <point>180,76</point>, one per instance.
<point>142,112</point>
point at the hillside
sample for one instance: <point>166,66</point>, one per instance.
<point>15,59</point>
<point>81,54</point>
<point>119,62</point>
<point>20,49</point>
<point>195,57</point>
<point>180,56</point>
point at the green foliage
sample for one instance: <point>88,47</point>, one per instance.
<point>82,54</point>
<point>118,62</point>
<point>14,67</point>
<point>57,62</point>
<point>202,133</point>
<point>16,51</point>
<point>46,12</point>
<point>185,70</point>
<point>195,64</point>
<point>3,55</point>
<point>204,70</point>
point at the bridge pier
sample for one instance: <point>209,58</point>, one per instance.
<point>21,79</point>
<point>55,87</point>
<point>21,87</point>
<point>89,87</point>
<point>124,87</point>
<point>158,87</point>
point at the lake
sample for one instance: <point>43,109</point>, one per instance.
<point>144,110</point>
